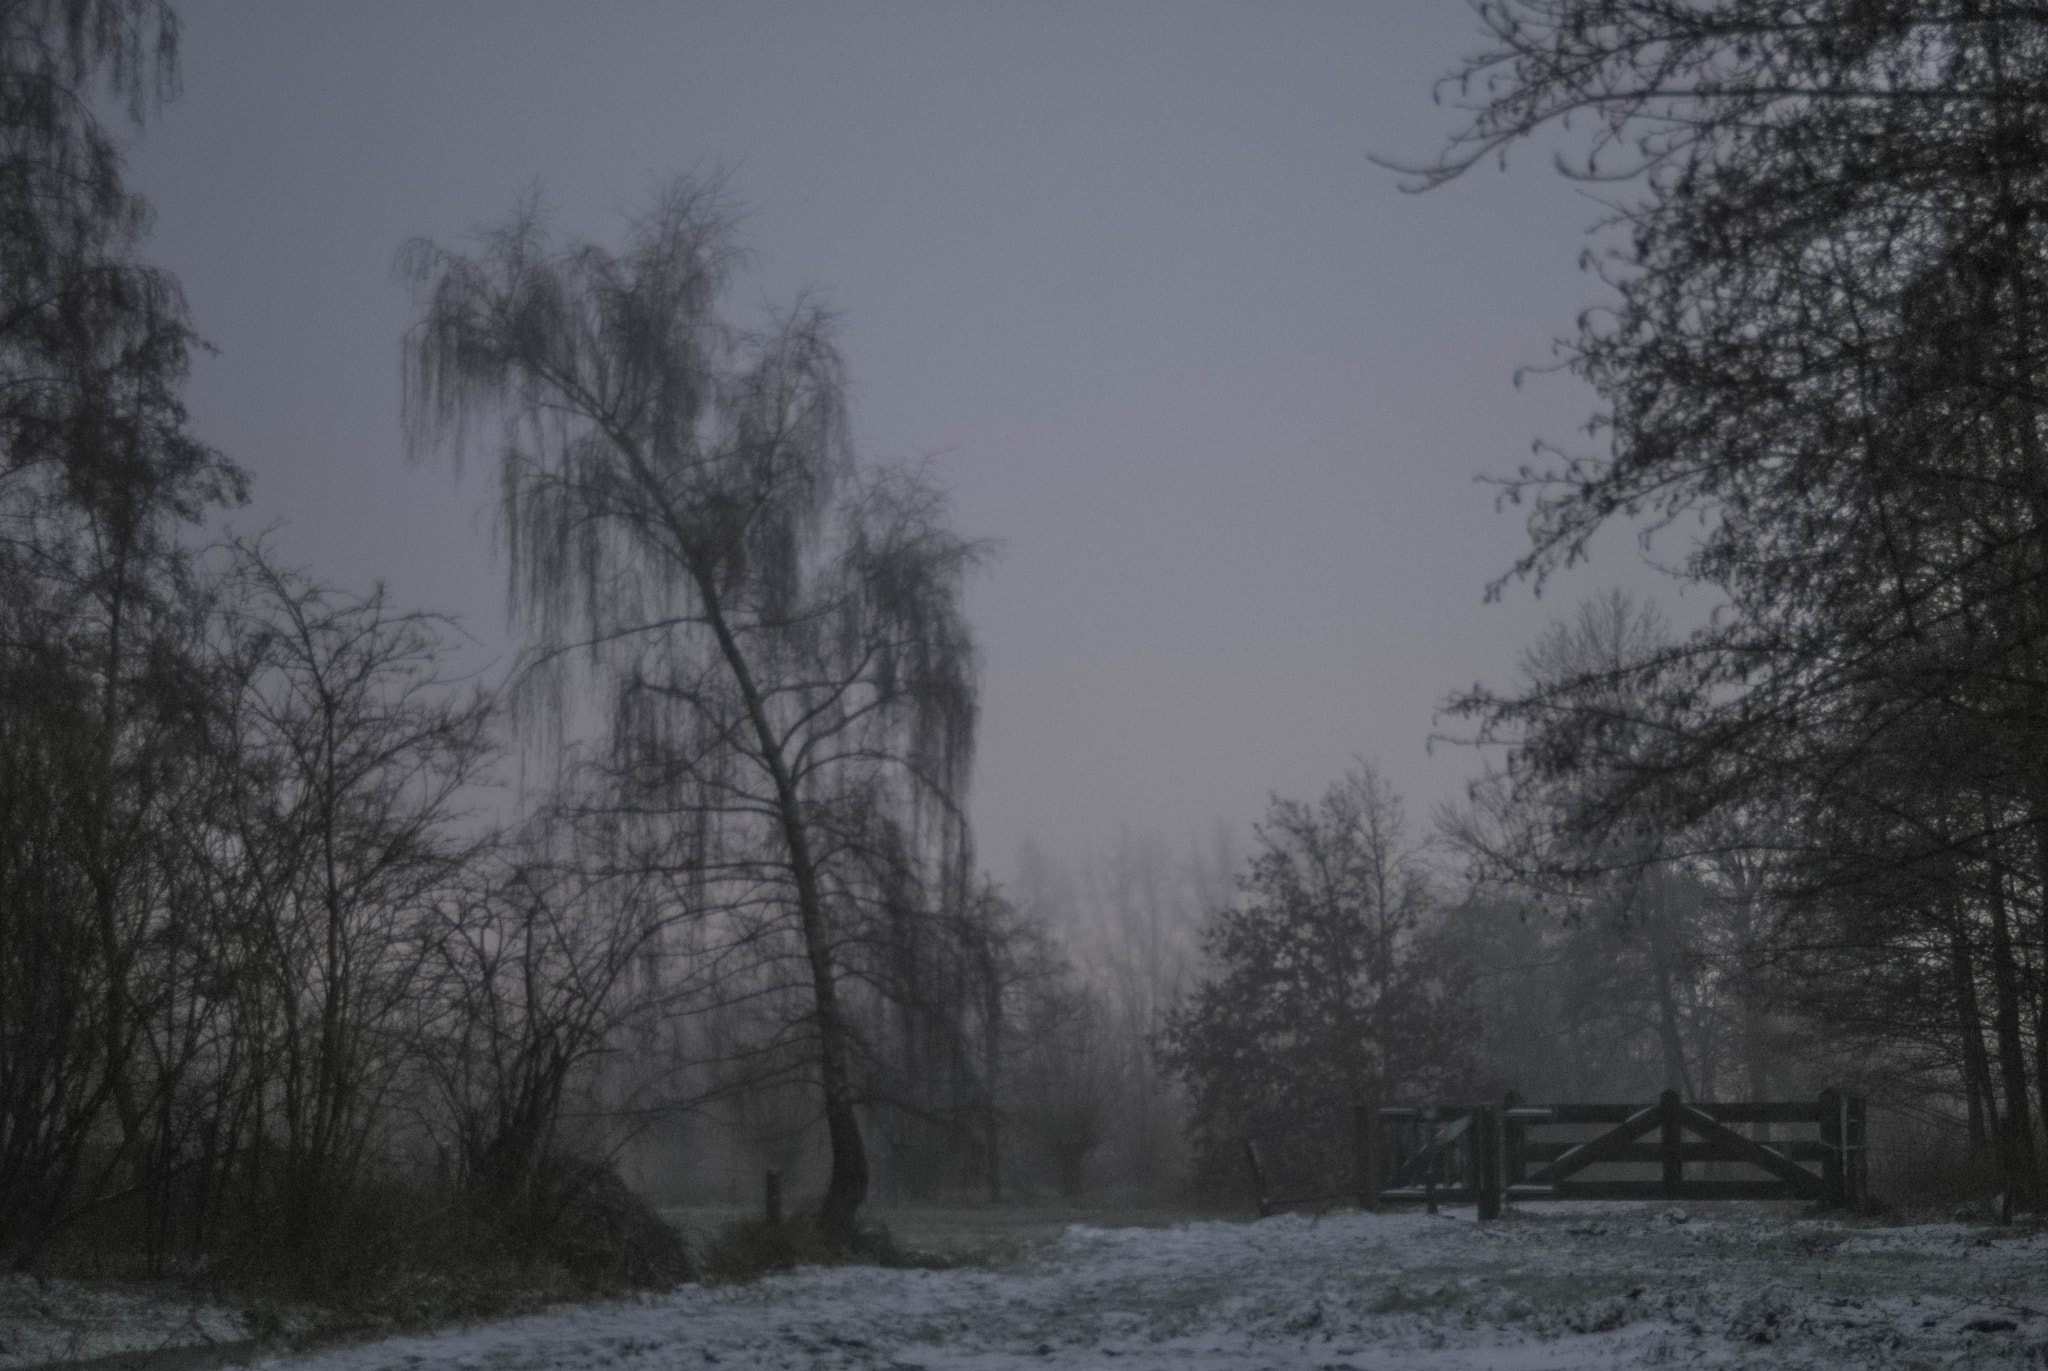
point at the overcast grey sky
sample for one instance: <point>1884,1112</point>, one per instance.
<point>1122,272</point>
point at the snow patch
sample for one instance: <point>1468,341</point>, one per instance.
<point>1552,1287</point>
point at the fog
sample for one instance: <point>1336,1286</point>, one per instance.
<point>1218,390</point>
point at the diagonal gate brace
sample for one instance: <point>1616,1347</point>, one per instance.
<point>1606,1147</point>
<point>1735,1147</point>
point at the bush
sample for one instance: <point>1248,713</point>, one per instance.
<point>401,1254</point>
<point>750,1248</point>
<point>397,1249</point>
<point>1924,1167</point>
<point>592,1225</point>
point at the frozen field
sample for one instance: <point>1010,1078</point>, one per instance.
<point>1555,1287</point>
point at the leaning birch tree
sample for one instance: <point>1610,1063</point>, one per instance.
<point>788,678</point>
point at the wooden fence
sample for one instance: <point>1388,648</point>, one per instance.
<point>1487,1155</point>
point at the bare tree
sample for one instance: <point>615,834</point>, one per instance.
<point>535,974</point>
<point>1824,341</point>
<point>356,753</point>
<point>1072,1068</point>
<point>790,678</point>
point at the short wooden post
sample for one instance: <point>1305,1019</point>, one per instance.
<point>771,1196</point>
<point>1511,1134</point>
<point>1251,1157</point>
<point>1833,1175</point>
<point>1671,1140</point>
<point>1365,1155</point>
<point>1856,1146</point>
<point>1486,1149</point>
<point>1430,1158</point>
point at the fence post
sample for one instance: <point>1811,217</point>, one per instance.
<point>1251,1156</point>
<point>1486,1141</point>
<point>771,1196</point>
<point>1671,1140</point>
<point>1511,1130</point>
<point>1432,1157</point>
<point>1856,1143</point>
<point>1365,1154</point>
<point>1832,1173</point>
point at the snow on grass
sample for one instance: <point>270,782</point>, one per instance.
<point>58,1320</point>
<point>1560,1286</point>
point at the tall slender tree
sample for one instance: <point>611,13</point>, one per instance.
<point>790,680</point>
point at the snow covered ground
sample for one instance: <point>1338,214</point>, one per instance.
<point>1559,1286</point>
<point>58,1320</point>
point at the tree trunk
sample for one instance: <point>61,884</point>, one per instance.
<point>1970,1031</point>
<point>2016,1138</point>
<point>1754,1020</point>
<point>992,1055</point>
<point>847,1188</point>
<point>2018,1160</point>
<point>2040,816</point>
<point>1669,1035</point>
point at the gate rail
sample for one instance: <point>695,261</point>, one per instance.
<point>1483,1155</point>
<point>1486,1155</point>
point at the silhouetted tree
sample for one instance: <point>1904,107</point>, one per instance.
<point>790,679</point>
<point>536,961</point>
<point>1070,1070</point>
<point>97,474</point>
<point>93,343</point>
<point>1824,340</point>
<point>356,753</point>
<point>1325,990</point>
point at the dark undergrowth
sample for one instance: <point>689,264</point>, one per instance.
<point>396,1255</point>
<point>1929,1172</point>
<point>750,1248</point>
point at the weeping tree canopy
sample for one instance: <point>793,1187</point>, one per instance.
<point>676,489</point>
<point>789,680</point>
<point>94,344</point>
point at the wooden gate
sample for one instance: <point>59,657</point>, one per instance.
<point>1483,1155</point>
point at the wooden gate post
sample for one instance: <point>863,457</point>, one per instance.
<point>1855,1144</point>
<point>1432,1157</point>
<point>1511,1138</point>
<point>1486,1148</point>
<point>1365,1155</point>
<point>1671,1140</point>
<point>1833,1174</point>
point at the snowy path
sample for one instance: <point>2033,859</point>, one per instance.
<point>1584,1286</point>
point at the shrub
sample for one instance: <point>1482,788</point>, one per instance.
<point>1926,1167</point>
<point>750,1248</point>
<point>591,1224</point>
